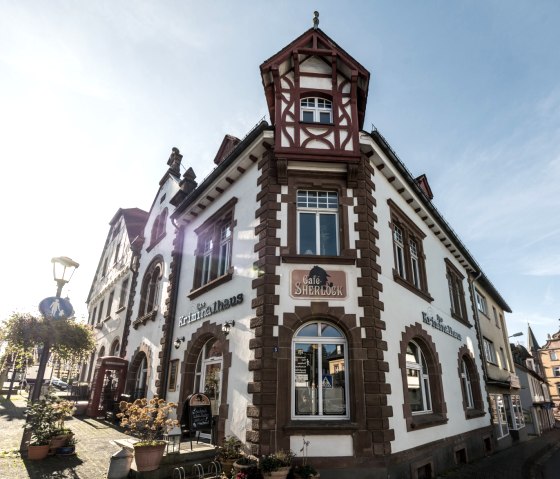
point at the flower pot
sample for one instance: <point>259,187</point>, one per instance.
<point>280,473</point>
<point>58,441</point>
<point>65,450</point>
<point>227,466</point>
<point>38,452</point>
<point>242,467</point>
<point>148,458</point>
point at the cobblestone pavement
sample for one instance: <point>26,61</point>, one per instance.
<point>95,448</point>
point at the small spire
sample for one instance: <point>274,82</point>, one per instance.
<point>174,160</point>
<point>315,20</point>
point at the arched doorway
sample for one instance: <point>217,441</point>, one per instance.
<point>137,382</point>
<point>208,373</point>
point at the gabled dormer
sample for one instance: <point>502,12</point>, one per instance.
<point>316,95</point>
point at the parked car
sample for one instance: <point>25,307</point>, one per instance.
<point>59,384</point>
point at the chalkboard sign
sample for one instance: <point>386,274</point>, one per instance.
<point>197,412</point>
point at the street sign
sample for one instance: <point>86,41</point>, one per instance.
<point>56,308</point>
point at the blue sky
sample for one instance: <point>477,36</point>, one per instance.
<point>93,96</point>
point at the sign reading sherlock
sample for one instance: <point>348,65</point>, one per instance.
<point>438,323</point>
<point>56,308</point>
<point>203,311</point>
<point>318,283</point>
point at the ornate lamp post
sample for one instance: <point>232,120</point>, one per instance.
<point>54,308</point>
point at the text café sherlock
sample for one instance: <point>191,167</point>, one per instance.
<point>318,283</point>
<point>203,311</point>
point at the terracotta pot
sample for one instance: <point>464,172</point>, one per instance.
<point>37,452</point>
<point>281,473</point>
<point>227,466</point>
<point>241,467</point>
<point>148,458</point>
<point>58,441</point>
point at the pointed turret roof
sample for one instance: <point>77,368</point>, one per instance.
<point>532,343</point>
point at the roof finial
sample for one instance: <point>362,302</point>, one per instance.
<point>315,20</point>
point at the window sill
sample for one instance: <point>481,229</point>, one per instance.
<point>422,421</point>
<point>122,308</point>
<point>473,413</point>
<point>211,285</point>
<point>316,123</point>
<point>142,320</point>
<point>317,259</point>
<point>154,244</point>
<point>98,326</point>
<point>405,284</point>
<point>107,318</point>
<point>461,320</point>
<point>321,426</point>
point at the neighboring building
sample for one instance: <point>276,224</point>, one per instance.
<point>312,290</point>
<point>108,299</point>
<point>148,331</point>
<point>550,359</point>
<point>535,397</point>
<point>502,383</point>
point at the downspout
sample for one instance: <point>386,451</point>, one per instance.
<point>472,279</point>
<point>177,260</point>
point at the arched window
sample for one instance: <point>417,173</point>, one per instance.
<point>319,378</point>
<point>140,381</point>
<point>158,228</point>
<point>208,373</point>
<point>418,380</point>
<point>421,371</point>
<point>470,384</point>
<point>115,347</point>
<point>149,294</point>
<point>316,110</point>
<point>101,352</point>
<point>466,385</point>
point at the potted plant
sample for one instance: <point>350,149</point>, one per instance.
<point>253,472</point>
<point>148,420</point>
<point>243,463</point>
<point>69,448</point>
<point>229,452</point>
<point>41,422</point>
<point>305,470</point>
<point>277,464</point>
<point>61,410</point>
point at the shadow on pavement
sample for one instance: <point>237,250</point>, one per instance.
<point>54,467</point>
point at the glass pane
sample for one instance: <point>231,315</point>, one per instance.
<point>307,234</point>
<point>329,331</point>
<point>309,330</point>
<point>305,370</point>
<point>332,381</point>
<point>324,117</point>
<point>212,377</point>
<point>328,237</point>
<point>414,391</point>
<point>307,116</point>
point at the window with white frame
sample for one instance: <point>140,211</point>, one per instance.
<point>214,248</point>
<point>495,316</point>
<point>556,371</point>
<point>503,360</point>
<point>316,110</point>
<point>553,355</point>
<point>319,365</point>
<point>317,223</point>
<point>467,385</point>
<point>490,351</point>
<point>151,286</point>
<point>208,373</point>
<point>516,419</point>
<point>410,269</point>
<point>499,417</point>
<point>481,302</point>
<point>124,293</point>
<point>456,292</point>
<point>418,380</point>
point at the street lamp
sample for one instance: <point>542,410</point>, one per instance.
<point>63,269</point>
<point>54,308</point>
<point>515,335</point>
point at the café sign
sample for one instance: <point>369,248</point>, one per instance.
<point>318,283</point>
<point>203,310</point>
<point>438,323</point>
